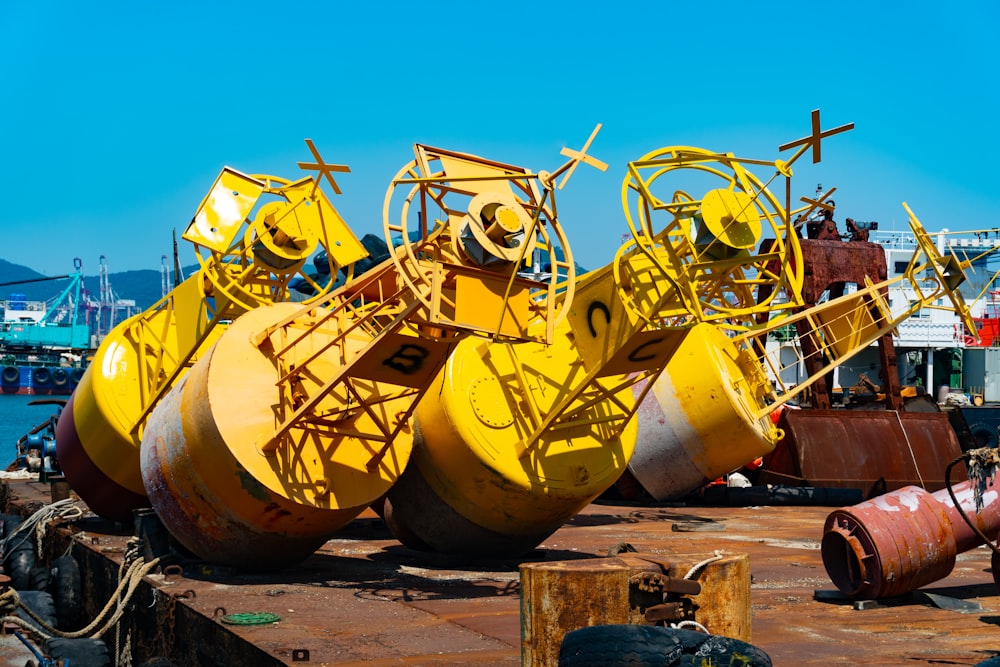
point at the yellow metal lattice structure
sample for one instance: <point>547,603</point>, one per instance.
<point>253,235</point>
<point>705,259</point>
<point>497,220</point>
<point>840,328</point>
<point>466,236</point>
<point>700,258</point>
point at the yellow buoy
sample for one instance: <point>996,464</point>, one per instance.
<point>474,485</point>
<point>98,433</point>
<point>207,458</point>
<point>701,419</point>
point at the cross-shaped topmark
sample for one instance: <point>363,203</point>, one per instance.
<point>816,137</point>
<point>821,202</point>
<point>576,157</point>
<point>323,168</point>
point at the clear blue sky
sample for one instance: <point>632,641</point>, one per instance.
<point>117,116</point>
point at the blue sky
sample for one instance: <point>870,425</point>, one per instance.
<point>118,116</point>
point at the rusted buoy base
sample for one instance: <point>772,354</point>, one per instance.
<point>562,596</point>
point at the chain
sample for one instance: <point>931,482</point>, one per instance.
<point>171,609</point>
<point>649,582</point>
<point>162,642</point>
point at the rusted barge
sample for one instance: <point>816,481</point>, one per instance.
<point>365,599</point>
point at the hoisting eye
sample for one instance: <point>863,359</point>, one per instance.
<point>499,221</point>
<point>728,224</point>
<point>281,244</point>
<point>494,229</point>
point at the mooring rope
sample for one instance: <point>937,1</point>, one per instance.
<point>129,583</point>
<point>693,572</point>
<point>61,509</point>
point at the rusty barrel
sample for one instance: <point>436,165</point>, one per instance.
<point>900,541</point>
<point>995,565</point>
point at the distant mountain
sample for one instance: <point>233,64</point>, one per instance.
<point>144,287</point>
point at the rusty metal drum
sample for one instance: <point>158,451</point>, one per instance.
<point>889,545</point>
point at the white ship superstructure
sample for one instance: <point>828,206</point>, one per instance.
<point>930,345</point>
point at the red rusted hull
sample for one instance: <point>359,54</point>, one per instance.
<point>872,450</point>
<point>103,495</point>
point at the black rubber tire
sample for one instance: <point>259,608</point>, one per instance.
<point>41,376</point>
<point>19,557</point>
<point>38,578</point>
<point>67,591</point>
<point>11,375</point>
<point>39,602</point>
<point>648,645</point>
<point>18,567</point>
<point>60,378</point>
<point>81,652</point>
<point>8,523</point>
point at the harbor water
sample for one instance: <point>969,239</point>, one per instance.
<point>18,415</point>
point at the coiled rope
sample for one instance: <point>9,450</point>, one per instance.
<point>10,601</point>
<point>130,574</point>
<point>38,522</point>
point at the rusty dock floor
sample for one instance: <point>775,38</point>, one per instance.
<point>364,599</point>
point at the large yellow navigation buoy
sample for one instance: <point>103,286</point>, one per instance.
<point>472,485</point>
<point>208,473</point>
<point>710,412</point>
<point>297,420</point>
<point>252,235</point>
<point>702,418</point>
<point>512,441</point>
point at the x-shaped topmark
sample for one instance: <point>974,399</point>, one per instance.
<point>816,137</point>
<point>323,168</point>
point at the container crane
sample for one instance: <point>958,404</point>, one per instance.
<point>252,234</point>
<point>111,309</point>
<point>320,427</point>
